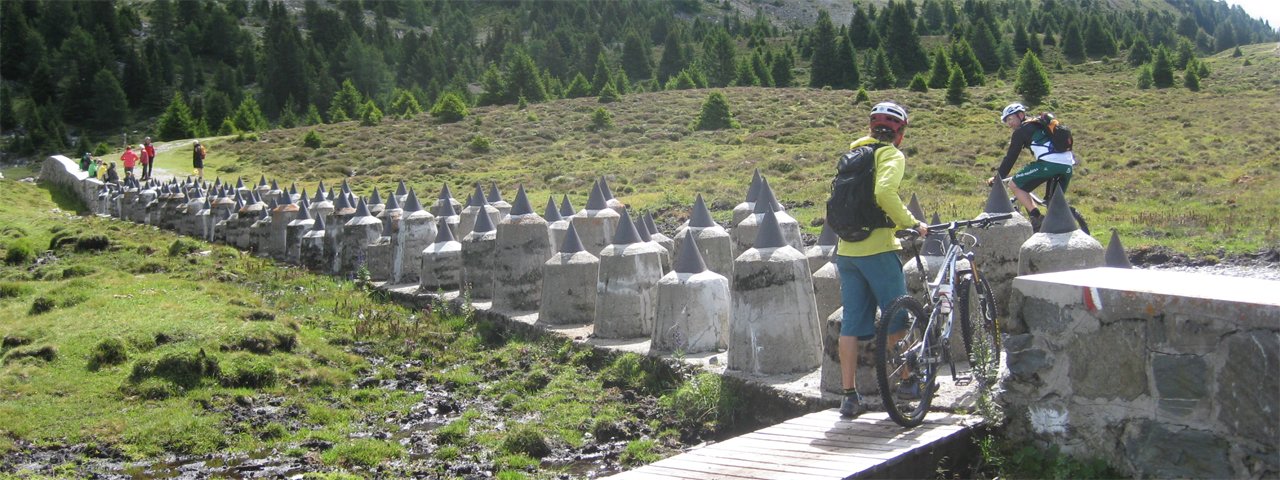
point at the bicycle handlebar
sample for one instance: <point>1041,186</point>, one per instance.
<point>957,224</point>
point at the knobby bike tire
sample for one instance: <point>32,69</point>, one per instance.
<point>977,312</point>
<point>893,360</point>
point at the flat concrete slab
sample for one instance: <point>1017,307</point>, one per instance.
<point>1164,282</point>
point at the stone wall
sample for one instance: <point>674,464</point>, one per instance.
<point>1163,374</point>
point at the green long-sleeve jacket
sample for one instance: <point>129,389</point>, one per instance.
<point>890,163</point>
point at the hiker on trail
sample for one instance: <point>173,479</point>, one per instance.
<point>197,159</point>
<point>1049,162</point>
<point>148,158</point>
<point>93,168</point>
<point>128,159</point>
<point>85,161</point>
<point>870,271</point>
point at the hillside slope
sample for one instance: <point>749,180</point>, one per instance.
<point>1195,171</point>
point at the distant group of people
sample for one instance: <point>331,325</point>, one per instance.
<point>144,157</point>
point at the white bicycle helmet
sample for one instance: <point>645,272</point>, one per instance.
<point>1010,110</point>
<point>891,109</point>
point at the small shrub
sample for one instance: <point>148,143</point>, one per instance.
<point>92,243</point>
<point>370,114</point>
<point>152,389</point>
<point>41,305</point>
<point>365,452</point>
<point>48,353</point>
<point>918,83</point>
<point>184,368</point>
<point>312,139</point>
<point>639,452</point>
<point>715,114</point>
<point>14,340</point>
<point>601,119</point>
<point>150,266</point>
<point>260,316</point>
<point>13,290</point>
<point>450,108</point>
<point>20,252</point>
<point>263,339</point>
<point>247,371</point>
<point>183,246</point>
<point>481,144</point>
<point>526,439</point>
<point>109,351</point>
<point>77,271</point>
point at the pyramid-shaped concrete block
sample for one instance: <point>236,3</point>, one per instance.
<point>769,234</point>
<point>494,195</point>
<point>444,233</point>
<point>551,213</point>
<point>753,191</point>
<point>596,201</point>
<point>412,204</point>
<point>690,257</point>
<point>401,189</point>
<point>375,199</point>
<point>604,188</point>
<point>572,243</point>
<point>935,242</point>
<point>701,217</point>
<point>1059,218</point>
<point>650,224</point>
<point>393,203</point>
<point>522,206</point>
<point>484,224</point>
<point>477,197</point>
<point>626,233</point>
<point>766,201</point>
<point>447,210</point>
<point>998,200</point>
<point>914,208</point>
<point>566,208</point>
<point>643,230</point>
<point>1115,256</point>
<point>445,194</point>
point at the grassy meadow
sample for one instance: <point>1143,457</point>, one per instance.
<point>1197,172</point>
<point>136,343</point>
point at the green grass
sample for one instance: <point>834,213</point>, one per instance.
<point>1194,171</point>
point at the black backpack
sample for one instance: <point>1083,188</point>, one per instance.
<point>852,212</point>
<point>1059,134</point>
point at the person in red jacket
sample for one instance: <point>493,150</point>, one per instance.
<point>148,158</point>
<point>128,159</point>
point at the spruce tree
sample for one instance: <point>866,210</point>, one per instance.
<point>1191,80</point>
<point>823,68</point>
<point>405,105</point>
<point>1186,53</point>
<point>636,60</point>
<point>781,68</point>
<point>111,106</point>
<point>1145,81</point>
<point>715,114</point>
<point>608,94</point>
<point>861,31</point>
<point>1139,52</point>
<point>847,73</point>
<point>1033,81</point>
<point>450,108</point>
<point>719,60</point>
<point>882,76</point>
<point>523,79</point>
<point>940,74</point>
<point>983,43</point>
<point>900,41</point>
<point>1162,69</point>
<point>602,74</point>
<point>862,96</point>
<point>1224,37</point>
<point>175,123</point>
<point>1073,43</point>
<point>370,114</point>
<point>248,116</point>
<point>962,57</point>
<point>345,103</point>
<point>918,83</point>
<point>673,56</point>
<point>956,87</point>
<point>1099,41</point>
<point>746,76</point>
<point>1020,41</point>
<point>578,88</point>
<point>761,69</point>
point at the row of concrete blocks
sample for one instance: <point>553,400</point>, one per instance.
<point>628,288</point>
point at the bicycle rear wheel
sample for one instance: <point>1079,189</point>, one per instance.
<point>978,326</point>
<point>910,358</point>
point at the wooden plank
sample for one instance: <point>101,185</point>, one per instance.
<point>857,434</point>
<point>646,473</point>
<point>766,467</point>
<point>846,441</point>
<point>721,471</point>
<point>768,444</point>
<point>658,471</point>
<point>807,451</point>
<point>820,460</point>
<point>868,429</point>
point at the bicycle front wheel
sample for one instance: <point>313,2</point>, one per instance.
<point>977,312</point>
<point>907,361</point>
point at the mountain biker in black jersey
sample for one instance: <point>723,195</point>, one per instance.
<point>1047,166</point>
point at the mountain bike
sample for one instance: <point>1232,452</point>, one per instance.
<point>908,361</point>
<point>1050,187</point>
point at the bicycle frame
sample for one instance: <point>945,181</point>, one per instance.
<point>946,276</point>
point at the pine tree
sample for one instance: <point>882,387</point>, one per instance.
<point>1033,82</point>
<point>761,69</point>
<point>111,106</point>
<point>941,71</point>
<point>137,79</point>
<point>861,32</point>
<point>1099,41</point>
<point>636,59</point>
<point>218,107</point>
<point>918,83</point>
<point>823,68</point>
<point>983,43</point>
<point>1224,37</point>
<point>882,76</point>
<point>746,76</point>
<point>1073,43</point>
<point>718,58</point>
<point>1162,69</point>
<point>176,122</point>
<point>345,103</point>
<point>578,88</point>
<point>900,41</point>
<point>602,75</point>
<point>370,115</point>
<point>1020,41</point>
<point>862,96</point>
<point>781,68</point>
<point>847,65</point>
<point>284,64</point>
<point>523,79</point>
<point>1186,53</point>
<point>249,117</point>
<point>1139,52</point>
<point>962,57</point>
<point>1191,80</point>
<point>956,87</point>
<point>405,105</point>
<point>1237,53</point>
<point>673,56</point>
<point>450,108</point>
<point>715,114</point>
<point>608,94</point>
<point>313,116</point>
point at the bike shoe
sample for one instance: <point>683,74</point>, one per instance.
<point>909,389</point>
<point>851,406</point>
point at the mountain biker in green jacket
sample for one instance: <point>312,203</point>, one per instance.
<point>870,271</point>
<point>1047,164</point>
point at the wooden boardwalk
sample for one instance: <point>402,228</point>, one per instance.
<point>816,446</point>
